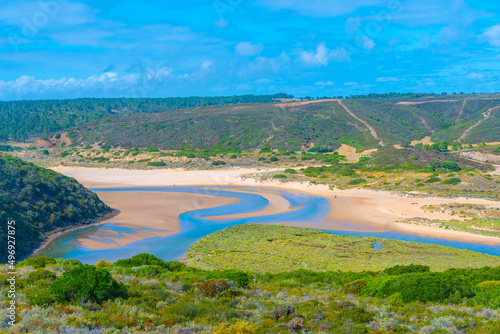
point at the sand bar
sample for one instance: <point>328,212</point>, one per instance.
<point>369,209</point>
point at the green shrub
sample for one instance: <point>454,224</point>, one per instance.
<point>411,268</point>
<point>218,163</point>
<point>452,181</point>
<point>488,294</point>
<point>356,181</point>
<point>279,176</point>
<point>273,159</point>
<point>290,171</point>
<point>37,262</point>
<point>156,164</point>
<point>432,179</point>
<point>422,286</point>
<point>355,286</point>
<point>88,284</point>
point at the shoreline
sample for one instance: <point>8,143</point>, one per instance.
<point>379,210</point>
<point>56,234</point>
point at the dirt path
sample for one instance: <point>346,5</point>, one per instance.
<point>486,115</point>
<point>422,102</point>
<point>461,111</point>
<point>301,103</point>
<point>372,130</point>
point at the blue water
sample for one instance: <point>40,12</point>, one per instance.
<point>194,225</point>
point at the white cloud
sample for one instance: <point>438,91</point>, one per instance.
<point>206,65</point>
<point>324,83</point>
<point>102,82</point>
<point>475,76</point>
<point>351,83</point>
<point>492,35</point>
<point>387,79</point>
<point>248,49</point>
<point>318,58</point>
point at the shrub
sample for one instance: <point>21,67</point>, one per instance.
<point>103,264</point>
<point>273,159</point>
<point>355,286</point>
<point>156,164</point>
<point>211,288</point>
<point>422,286</point>
<point>290,171</point>
<point>452,181</point>
<point>40,275</point>
<point>37,262</point>
<point>240,327</point>
<point>488,294</point>
<point>411,268</point>
<point>218,163</point>
<point>432,179</point>
<point>279,176</point>
<point>88,284</point>
<point>356,181</point>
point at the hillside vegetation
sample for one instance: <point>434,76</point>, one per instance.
<point>275,249</point>
<point>28,119</point>
<point>250,122</point>
<point>40,200</point>
<point>144,294</point>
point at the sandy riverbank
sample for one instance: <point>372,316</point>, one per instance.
<point>351,209</point>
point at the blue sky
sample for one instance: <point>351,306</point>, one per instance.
<point>90,48</point>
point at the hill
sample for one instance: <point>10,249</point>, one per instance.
<point>40,200</point>
<point>251,122</point>
<point>361,123</point>
<point>30,119</point>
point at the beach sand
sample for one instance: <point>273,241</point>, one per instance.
<point>356,209</point>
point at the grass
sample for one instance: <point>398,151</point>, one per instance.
<point>274,248</point>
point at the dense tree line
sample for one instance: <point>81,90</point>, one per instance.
<point>40,200</point>
<point>22,120</point>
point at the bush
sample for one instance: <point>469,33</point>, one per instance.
<point>37,262</point>
<point>488,294</point>
<point>156,164</point>
<point>452,181</point>
<point>290,171</point>
<point>432,179</point>
<point>411,268</point>
<point>218,163</point>
<point>273,159</point>
<point>422,286</point>
<point>240,327</point>
<point>88,284</point>
<point>356,181</point>
<point>279,176</point>
<point>211,288</point>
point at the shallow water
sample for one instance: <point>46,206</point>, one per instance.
<point>194,225</point>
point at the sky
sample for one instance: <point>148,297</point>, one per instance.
<point>54,49</point>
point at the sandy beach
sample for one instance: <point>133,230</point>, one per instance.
<point>353,209</point>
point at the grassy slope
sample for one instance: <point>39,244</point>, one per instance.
<point>264,248</point>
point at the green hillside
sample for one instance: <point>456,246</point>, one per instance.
<point>28,119</point>
<point>275,249</point>
<point>250,122</point>
<point>40,200</point>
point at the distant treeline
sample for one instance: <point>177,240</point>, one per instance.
<point>26,119</point>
